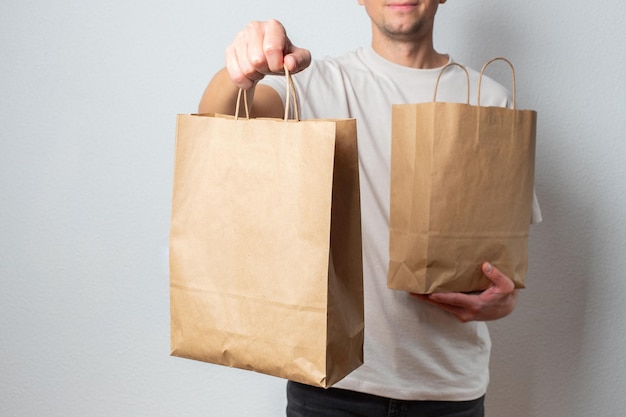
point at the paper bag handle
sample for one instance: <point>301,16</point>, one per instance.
<point>441,73</point>
<point>290,98</point>
<point>245,103</point>
<point>482,71</point>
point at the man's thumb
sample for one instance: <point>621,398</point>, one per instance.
<point>297,59</point>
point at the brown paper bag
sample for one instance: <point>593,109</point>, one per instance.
<point>461,193</point>
<point>265,246</point>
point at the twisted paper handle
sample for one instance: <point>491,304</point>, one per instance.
<point>451,64</point>
<point>290,98</point>
<point>245,102</point>
<point>512,74</point>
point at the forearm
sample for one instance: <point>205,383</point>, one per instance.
<point>220,96</point>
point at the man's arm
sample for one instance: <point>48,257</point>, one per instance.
<point>220,96</point>
<point>261,49</point>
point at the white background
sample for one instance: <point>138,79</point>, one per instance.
<point>89,91</point>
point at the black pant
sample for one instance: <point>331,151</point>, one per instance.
<point>309,401</point>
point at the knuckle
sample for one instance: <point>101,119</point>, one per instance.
<point>240,81</point>
<point>274,24</point>
<point>251,68</point>
<point>275,37</point>
<point>474,310</point>
<point>271,48</point>
<point>254,25</point>
<point>238,77</point>
<point>230,51</point>
<point>256,61</point>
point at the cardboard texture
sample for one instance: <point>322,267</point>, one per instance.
<point>461,194</point>
<point>265,246</point>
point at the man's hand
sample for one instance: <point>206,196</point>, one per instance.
<point>260,49</point>
<point>495,302</point>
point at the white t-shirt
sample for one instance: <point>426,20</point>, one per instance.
<point>412,350</point>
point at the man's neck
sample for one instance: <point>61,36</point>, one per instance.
<point>420,55</point>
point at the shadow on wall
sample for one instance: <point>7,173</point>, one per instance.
<point>474,37</point>
<point>537,351</point>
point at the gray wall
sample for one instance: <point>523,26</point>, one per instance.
<point>88,96</point>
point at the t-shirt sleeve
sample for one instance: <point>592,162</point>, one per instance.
<point>536,211</point>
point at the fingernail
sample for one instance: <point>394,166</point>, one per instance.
<point>488,267</point>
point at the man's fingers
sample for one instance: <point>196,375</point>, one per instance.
<point>298,59</point>
<point>239,63</point>
<point>279,51</point>
<point>275,45</point>
<point>453,299</point>
<point>460,312</point>
<point>263,48</point>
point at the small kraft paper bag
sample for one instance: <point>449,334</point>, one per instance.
<point>265,245</point>
<point>461,193</point>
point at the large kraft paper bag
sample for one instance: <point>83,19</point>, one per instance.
<point>461,194</point>
<point>265,246</point>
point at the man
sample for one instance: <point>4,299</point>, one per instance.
<point>424,355</point>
